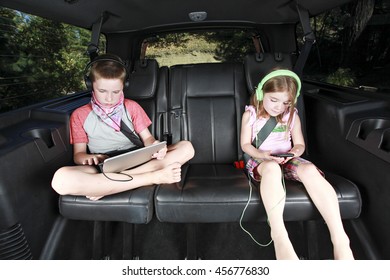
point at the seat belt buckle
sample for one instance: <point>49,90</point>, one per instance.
<point>239,164</point>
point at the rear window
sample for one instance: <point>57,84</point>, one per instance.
<point>200,47</point>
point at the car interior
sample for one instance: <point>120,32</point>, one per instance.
<point>215,211</point>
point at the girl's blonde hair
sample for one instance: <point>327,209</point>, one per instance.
<point>277,84</point>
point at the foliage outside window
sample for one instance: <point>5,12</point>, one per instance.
<point>39,59</point>
<point>352,47</point>
<point>200,47</point>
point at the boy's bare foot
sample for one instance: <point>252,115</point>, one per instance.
<point>169,174</point>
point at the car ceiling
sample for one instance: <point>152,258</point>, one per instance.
<point>130,15</point>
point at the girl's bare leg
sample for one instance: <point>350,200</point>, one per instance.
<point>325,199</point>
<point>273,196</point>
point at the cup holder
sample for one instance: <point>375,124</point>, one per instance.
<point>372,135</point>
<point>41,133</point>
<point>385,142</point>
<point>48,141</point>
<point>369,125</point>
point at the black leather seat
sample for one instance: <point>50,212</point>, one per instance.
<point>211,193</point>
<point>223,196</point>
<point>149,86</point>
<point>135,207</point>
<point>130,207</point>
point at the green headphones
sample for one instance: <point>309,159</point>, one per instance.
<point>280,72</point>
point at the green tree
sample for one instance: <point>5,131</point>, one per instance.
<point>41,59</point>
<point>232,46</point>
<point>8,54</point>
<point>352,41</point>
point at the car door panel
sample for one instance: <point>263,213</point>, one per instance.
<point>348,134</point>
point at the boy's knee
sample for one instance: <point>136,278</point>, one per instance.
<point>57,183</point>
<point>191,149</point>
<point>188,148</point>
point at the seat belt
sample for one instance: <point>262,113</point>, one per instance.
<point>264,132</point>
<point>93,46</point>
<point>257,43</point>
<point>131,135</point>
<point>308,38</point>
<point>262,135</point>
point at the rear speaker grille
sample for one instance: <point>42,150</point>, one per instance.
<point>13,244</point>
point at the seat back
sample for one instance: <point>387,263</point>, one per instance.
<point>206,105</point>
<point>148,87</point>
<point>259,64</point>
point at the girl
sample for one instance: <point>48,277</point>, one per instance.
<point>97,126</point>
<point>276,96</point>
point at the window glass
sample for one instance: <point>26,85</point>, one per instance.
<point>200,47</point>
<point>39,59</point>
<point>352,47</point>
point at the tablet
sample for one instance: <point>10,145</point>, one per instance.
<point>130,159</point>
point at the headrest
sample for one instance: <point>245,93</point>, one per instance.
<point>211,79</point>
<point>143,80</point>
<point>258,65</point>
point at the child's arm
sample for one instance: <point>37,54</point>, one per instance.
<point>148,139</point>
<point>246,140</point>
<point>80,155</point>
<point>297,138</point>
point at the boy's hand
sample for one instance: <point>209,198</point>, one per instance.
<point>161,153</point>
<point>94,159</point>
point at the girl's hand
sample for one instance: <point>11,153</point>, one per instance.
<point>286,159</point>
<point>266,155</point>
<point>278,159</point>
<point>94,159</point>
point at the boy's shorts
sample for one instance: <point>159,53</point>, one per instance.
<point>289,168</point>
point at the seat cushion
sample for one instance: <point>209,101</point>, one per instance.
<point>209,193</point>
<point>218,193</point>
<point>135,206</point>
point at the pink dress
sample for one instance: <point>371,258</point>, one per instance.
<point>279,141</point>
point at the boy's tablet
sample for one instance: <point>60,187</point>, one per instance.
<point>130,159</point>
